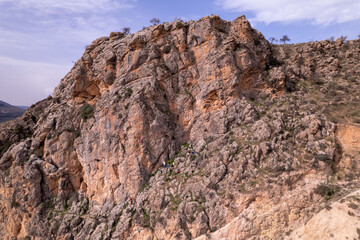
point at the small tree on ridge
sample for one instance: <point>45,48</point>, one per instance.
<point>272,39</point>
<point>284,38</point>
<point>343,38</point>
<point>155,21</point>
<point>126,30</point>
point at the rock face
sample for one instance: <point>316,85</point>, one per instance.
<point>340,220</point>
<point>197,130</point>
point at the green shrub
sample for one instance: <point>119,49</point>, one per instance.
<point>353,206</point>
<point>18,129</point>
<point>326,191</point>
<point>4,146</point>
<point>87,111</point>
<point>128,93</point>
<point>179,25</point>
<point>15,204</point>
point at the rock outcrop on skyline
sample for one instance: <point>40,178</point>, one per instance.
<point>189,130</point>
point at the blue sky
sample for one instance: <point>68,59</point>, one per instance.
<point>40,39</point>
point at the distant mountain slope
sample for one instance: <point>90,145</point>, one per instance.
<point>23,107</point>
<point>8,112</point>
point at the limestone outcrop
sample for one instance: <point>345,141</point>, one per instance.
<point>185,130</point>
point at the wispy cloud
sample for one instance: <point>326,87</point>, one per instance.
<point>321,12</point>
<point>40,38</point>
<point>4,60</point>
<point>45,21</point>
<point>78,6</point>
<point>25,82</point>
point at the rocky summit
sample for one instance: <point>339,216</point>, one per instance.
<point>190,130</point>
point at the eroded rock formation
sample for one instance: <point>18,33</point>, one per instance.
<point>185,130</point>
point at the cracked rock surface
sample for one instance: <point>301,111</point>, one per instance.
<point>187,130</point>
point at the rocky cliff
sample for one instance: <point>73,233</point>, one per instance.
<point>188,130</point>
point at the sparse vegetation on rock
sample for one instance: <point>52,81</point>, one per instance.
<point>203,130</point>
<point>86,111</point>
<point>326,191</point>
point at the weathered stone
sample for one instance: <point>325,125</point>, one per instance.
<point>197,130</point>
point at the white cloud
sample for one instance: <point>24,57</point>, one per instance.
<point>4,60</point>
<point>72,6</point>
<point>77,22</point>
<point>317,11</point>
<point>40,38</point>
<point>25,82</point>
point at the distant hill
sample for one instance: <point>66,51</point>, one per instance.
<point>8,112</point>
<point>23,107</point>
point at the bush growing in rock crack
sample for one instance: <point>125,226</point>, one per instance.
<point>326,191</point>
<point>87,111</point>
<point>179,25</point>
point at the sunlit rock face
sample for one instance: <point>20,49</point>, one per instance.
<point>184,130</point>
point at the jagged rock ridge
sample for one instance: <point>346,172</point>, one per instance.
<point>182,131</point>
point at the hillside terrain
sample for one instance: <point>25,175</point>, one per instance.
<point>190,130</point>
<point>8,112</point>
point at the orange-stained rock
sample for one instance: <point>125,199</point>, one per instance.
<point>185,130</point>
<point>348,137</point>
